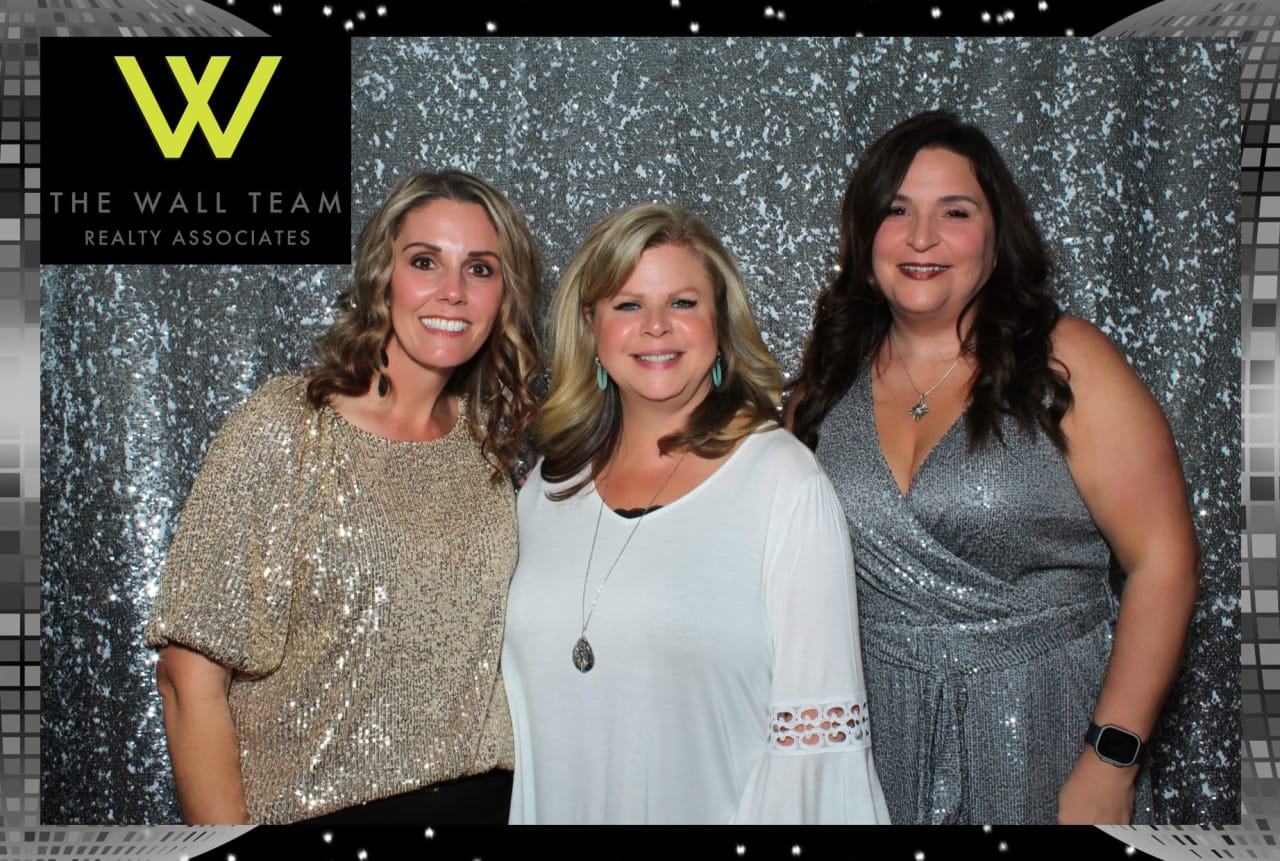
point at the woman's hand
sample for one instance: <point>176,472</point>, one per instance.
<point>1096,793</point>
<point>202,738</point>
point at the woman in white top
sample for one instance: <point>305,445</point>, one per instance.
<point>682,635</point>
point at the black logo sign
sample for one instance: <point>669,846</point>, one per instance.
<point>195,151</point>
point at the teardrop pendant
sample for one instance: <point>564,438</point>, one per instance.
<point>583,658</point>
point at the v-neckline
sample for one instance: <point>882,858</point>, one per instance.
<point>884,462</point>
<point>659,511</point>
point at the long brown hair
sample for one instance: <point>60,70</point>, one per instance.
<point>1010,337</point>
<point>495,382</point>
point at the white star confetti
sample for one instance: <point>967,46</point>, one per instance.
<point>935,13</point>
<point>919,856</point>
<point>382,11</point>
<point>694,27</point>
<point>675,4</point>
<point>986,17</point>
<point>348,25</point>
<point>362,855</point>
<point>491,26</point>
<point>326,11</point>
<point>795,850</point>
<point>1130,851</point>
<point>231,856</point>
<point>768,11</point>
<point>1042,6</point>
<point>741,850</point>
<point>327,837</point>
<point>277,9</point>
<point>429,833</point>
<point>986,829</point>
<point>361,15</point>
<point>1003,847</point>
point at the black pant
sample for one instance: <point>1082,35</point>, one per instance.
<point>484,799</point>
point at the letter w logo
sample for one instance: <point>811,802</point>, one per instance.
<point>173,141</point>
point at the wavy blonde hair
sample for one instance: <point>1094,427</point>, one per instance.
<point>500,408</point>
<point>579,424</point>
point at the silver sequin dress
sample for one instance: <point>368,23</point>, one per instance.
<point>986,615</point>
<point>357,587</point>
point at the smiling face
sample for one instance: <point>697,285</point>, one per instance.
<point>446,287</point>
<point>657,336</point>
<point>936,247</point>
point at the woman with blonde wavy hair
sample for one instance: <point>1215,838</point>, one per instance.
<point>330,615</point>
<point>682,635</point>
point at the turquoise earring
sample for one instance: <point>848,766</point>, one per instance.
<point>602,376</point>
<point>717,373</point>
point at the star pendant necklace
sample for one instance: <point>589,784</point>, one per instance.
<point>584,657</point>
<point>921,409</point>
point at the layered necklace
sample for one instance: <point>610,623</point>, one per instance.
<point>584,658</point>
<point>921,409</point>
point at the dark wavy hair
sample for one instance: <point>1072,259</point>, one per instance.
<point>1015,312</point>
<point>495,382</point>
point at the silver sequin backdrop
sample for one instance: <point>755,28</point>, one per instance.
<point>1127,149</point>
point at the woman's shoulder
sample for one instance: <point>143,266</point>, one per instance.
<point>286,391</point>
<point>533,500</point>
<point>537,481</point>
<point>772,450</point>
<point>773,436</point>
<point>279,406</point>
<point>1084,349</point>
<point>254,452</point>
<point>1074,337</point>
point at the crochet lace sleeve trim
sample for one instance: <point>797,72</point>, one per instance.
<point>824,726</point>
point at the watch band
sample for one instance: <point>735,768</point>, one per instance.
<point>1114,744</point>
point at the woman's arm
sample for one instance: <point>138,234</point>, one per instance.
<point>817,767</point>
<point>225,594</point>
<point>202,739</point>
<point>1123,460</point>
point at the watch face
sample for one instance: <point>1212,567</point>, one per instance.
<point>1118,745</point>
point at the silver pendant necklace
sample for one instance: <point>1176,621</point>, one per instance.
<point>921,409</point>
<point>584,658</point>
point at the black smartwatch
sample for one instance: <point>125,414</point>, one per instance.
<point>1114,744</point>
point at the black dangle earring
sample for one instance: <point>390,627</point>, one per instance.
<point>383,383</point>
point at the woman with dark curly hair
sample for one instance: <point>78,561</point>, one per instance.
<point>331,612</point>
<point>991,454</point>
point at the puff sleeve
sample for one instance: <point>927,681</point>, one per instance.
<point>225,587</point>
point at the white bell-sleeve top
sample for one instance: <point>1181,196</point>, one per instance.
<point>727,685</point>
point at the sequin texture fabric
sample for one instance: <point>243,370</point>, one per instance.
<point>356,586</point>
<point>986,615</point>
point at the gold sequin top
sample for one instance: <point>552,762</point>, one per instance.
<point>356,586</point>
